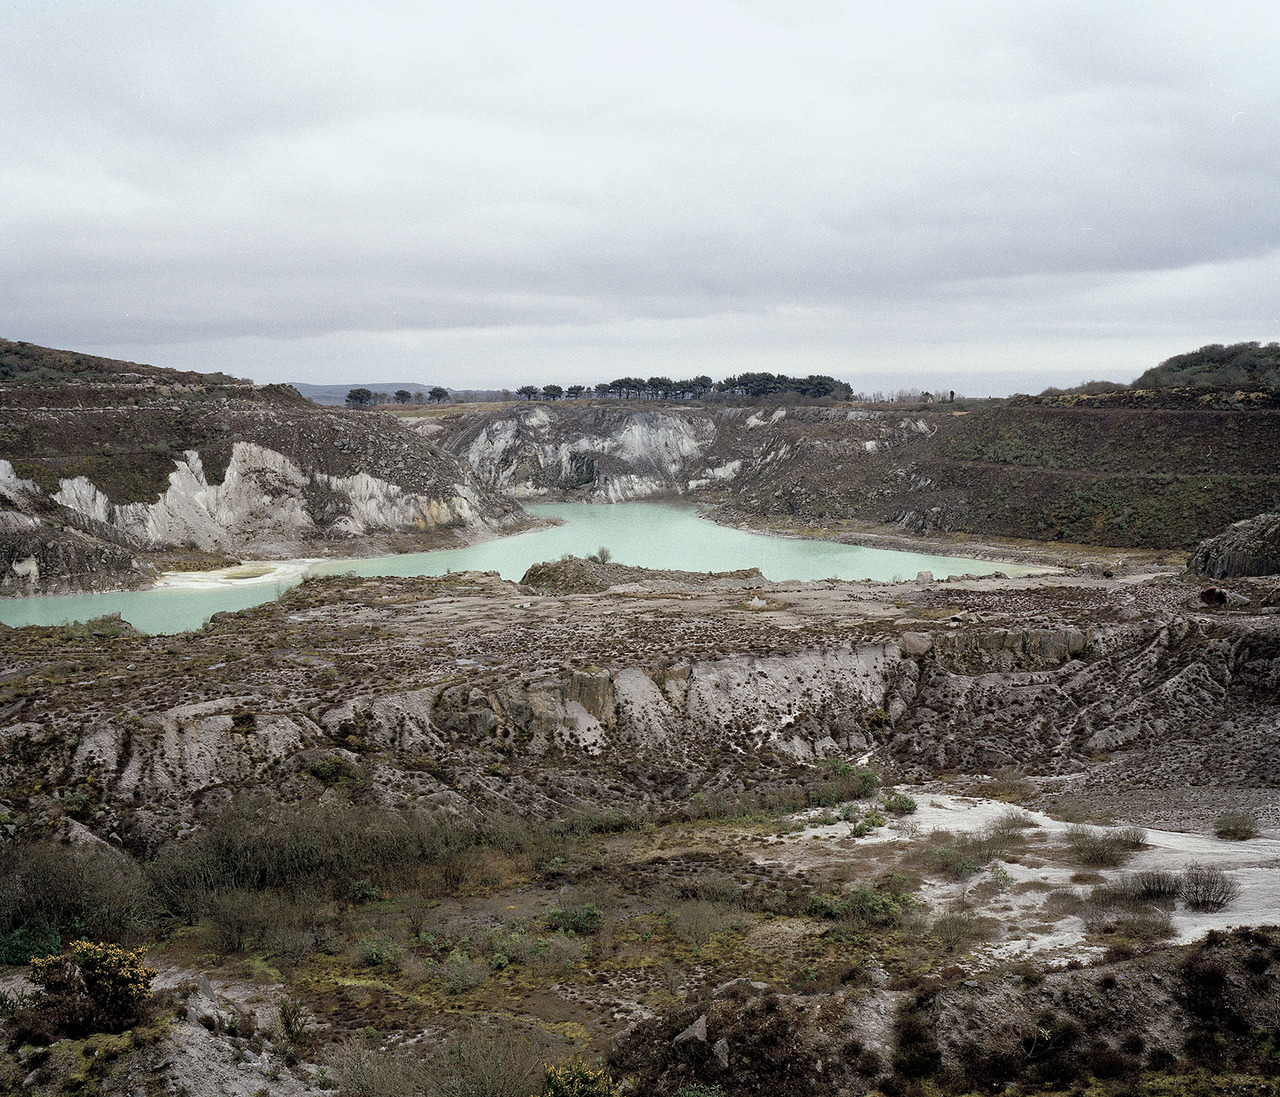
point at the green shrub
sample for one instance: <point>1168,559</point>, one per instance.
<point>898,803</point>
<point>380,951</point>
<point>843,782</point>
<point>1238,826</point>
<point>957,863</point>
<point>35,937</point>
<point>295,1020</point>
<point>585,918</point>
<point>332,769</point>
<point>459,973</point>
<point>863,906</point>
<point>363,891</point>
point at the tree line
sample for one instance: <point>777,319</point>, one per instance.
<point>751,385</point>
<point>363,398</point>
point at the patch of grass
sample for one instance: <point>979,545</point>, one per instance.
<point>583,918</point>
<point>1095,848</point>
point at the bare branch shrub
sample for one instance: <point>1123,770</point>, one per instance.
<point>1207,888</point>
<point>1155,885</point>
<point>1096,848</point>
<point>490,1064</point>
<point>366,1070</point>
<point>956,930</point>
<point>1011,821</point>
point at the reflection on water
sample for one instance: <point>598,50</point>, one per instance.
<point>656,535</point>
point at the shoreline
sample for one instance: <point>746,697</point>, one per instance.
<point>1044,559</point>
<point>1051,555</point>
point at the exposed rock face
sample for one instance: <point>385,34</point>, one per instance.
<point>93,473</point>
<point>268,504</point>
<point>1107,475</point>
<point>623,697</point>
<point>1250,547</point>
<point>609,455</point>
<point>55,550</point>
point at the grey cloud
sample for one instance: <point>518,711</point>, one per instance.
<point>239,177</point>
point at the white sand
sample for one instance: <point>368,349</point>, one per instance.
<point>241,575</point>
<point>1253,865</point>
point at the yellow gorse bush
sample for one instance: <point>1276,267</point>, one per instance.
<point>576,1079</point>
<point>101,986</point>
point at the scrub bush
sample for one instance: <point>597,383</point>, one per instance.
<point>586,918</point>
<point>1095,848</point>
<point>1206,888</point>
<point>899,803</point>
<point>1155,885</point>
<point>577,1080</point>
<point>90,986</point>
<point>1238,826</point>
<point>33,938</point>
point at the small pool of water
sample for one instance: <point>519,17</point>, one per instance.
<point>655,535</point>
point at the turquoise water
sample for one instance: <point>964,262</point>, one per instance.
<point>656,535</point>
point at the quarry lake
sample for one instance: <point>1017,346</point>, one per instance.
<point>654,535</point>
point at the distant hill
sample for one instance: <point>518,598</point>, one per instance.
<point>28,364</point>
<point>336,395</point>
<point>1217,366</point>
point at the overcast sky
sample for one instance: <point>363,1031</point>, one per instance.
<point>985,196</point>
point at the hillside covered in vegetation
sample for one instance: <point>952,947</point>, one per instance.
<point>1239,365</point>
<point>1117,470</point>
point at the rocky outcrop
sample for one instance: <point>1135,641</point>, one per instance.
<point>91,474</point>
<point>612,452</point>
<point>38,558</point>
<point>652,734</point>
<point>1250,547</point>
<point>978,1034</point>
<point>601,454</point>
<point>269,505</point>
<point>48,549</point>
<point>1109,475</point>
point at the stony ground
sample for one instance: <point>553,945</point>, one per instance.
<point>713,716</point>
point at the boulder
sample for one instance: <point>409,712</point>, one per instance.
<point>1251,547</point>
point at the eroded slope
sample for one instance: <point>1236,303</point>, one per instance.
<point>465,690</point>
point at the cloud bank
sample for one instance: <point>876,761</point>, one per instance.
<point>989,197</point>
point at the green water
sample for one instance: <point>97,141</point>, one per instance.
<point>656,535</point>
